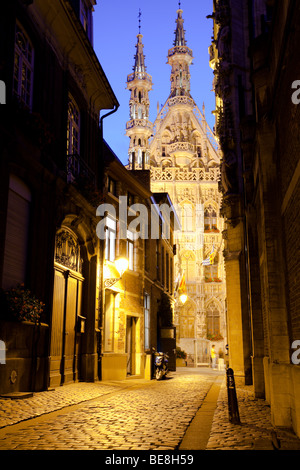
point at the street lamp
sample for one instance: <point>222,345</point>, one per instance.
<point>121,265</point>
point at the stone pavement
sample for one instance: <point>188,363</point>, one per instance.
<point>187,411</point>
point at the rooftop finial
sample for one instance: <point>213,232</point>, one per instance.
<point>140,15</point>
<point>179,5</point>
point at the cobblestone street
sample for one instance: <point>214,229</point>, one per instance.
<point>137,415</point>
<point>187,411</point>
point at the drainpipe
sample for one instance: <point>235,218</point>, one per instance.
<point>101,286</point>
<point>116,107</point>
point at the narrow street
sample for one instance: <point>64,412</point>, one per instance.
<point>186,412</point>
<point>131,415</point>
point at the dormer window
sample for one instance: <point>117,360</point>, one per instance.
<point>86,17</point>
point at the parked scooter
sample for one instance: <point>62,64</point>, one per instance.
<point>161,361</point>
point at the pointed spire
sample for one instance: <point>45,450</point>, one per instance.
<point>180,57</point>
<point>139,128</point>
<point>139,64</point>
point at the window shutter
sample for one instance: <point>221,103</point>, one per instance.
<point>16,239</point>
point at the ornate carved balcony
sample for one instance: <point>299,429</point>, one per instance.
<point>181,100</point>
<point>139,76</point>
<point>184,147</point>
<point>180,50</point>
<point>184,174</point>
<point>139,123</point>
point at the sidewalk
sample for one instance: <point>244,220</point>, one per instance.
<point>255,431</point>
<point>210,429</point>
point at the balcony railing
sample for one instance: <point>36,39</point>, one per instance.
<point>78,171</point>
<point>139,123</point>
<point>139,76</point>
<point>180,50</point>
<point>185,174</point>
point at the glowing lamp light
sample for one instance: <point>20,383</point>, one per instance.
<point>183,298</point>
<point>121,265</point>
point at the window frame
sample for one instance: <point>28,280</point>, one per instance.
<point>73,127</point>
<point>86,19</point>
<point>213,320</point>
<point>110,239</point>
<point>130,250</point>
<point>112,186</point>
<point>22,65</point>
<point>210,219</point>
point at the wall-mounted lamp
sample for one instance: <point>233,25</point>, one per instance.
<point>183,298</point>
<point>121,265</point>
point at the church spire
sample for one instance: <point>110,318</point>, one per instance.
<point>139,65</point>
<point>180,58</point>
<point>139,128</point>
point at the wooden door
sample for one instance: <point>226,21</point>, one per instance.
<point>66,308</point>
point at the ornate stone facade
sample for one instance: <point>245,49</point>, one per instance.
<point>184,160</point>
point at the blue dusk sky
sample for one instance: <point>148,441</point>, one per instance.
<point>116,25</point>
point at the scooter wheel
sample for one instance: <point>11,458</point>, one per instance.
<point>158,374</point>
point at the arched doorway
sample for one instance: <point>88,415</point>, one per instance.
<point>67,299</point>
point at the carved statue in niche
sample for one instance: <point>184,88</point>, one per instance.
<point>228,173</point>
<point>223,43</point>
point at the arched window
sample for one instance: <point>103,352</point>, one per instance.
<point>211,271</point>
<point>189,265</point>
<point>210,219</point>
<point>187,217</point>
<point>213,320</point>
<point>23,67</point>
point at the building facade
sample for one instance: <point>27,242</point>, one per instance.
<point>257,88</point>
<point>51,184</point>
<point>133,319</point>
<point>183,156</point>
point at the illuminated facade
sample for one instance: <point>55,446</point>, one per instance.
<point>184,160</point>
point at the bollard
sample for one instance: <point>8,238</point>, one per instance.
<point>233,408</point>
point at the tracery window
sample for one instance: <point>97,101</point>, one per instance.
<point>211,271</point>
<point>187,217</point>
<point>213,320</point>
<point>210,220</point>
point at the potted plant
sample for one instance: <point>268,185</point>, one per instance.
<point>180,357</point>
<point>20,305</point>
